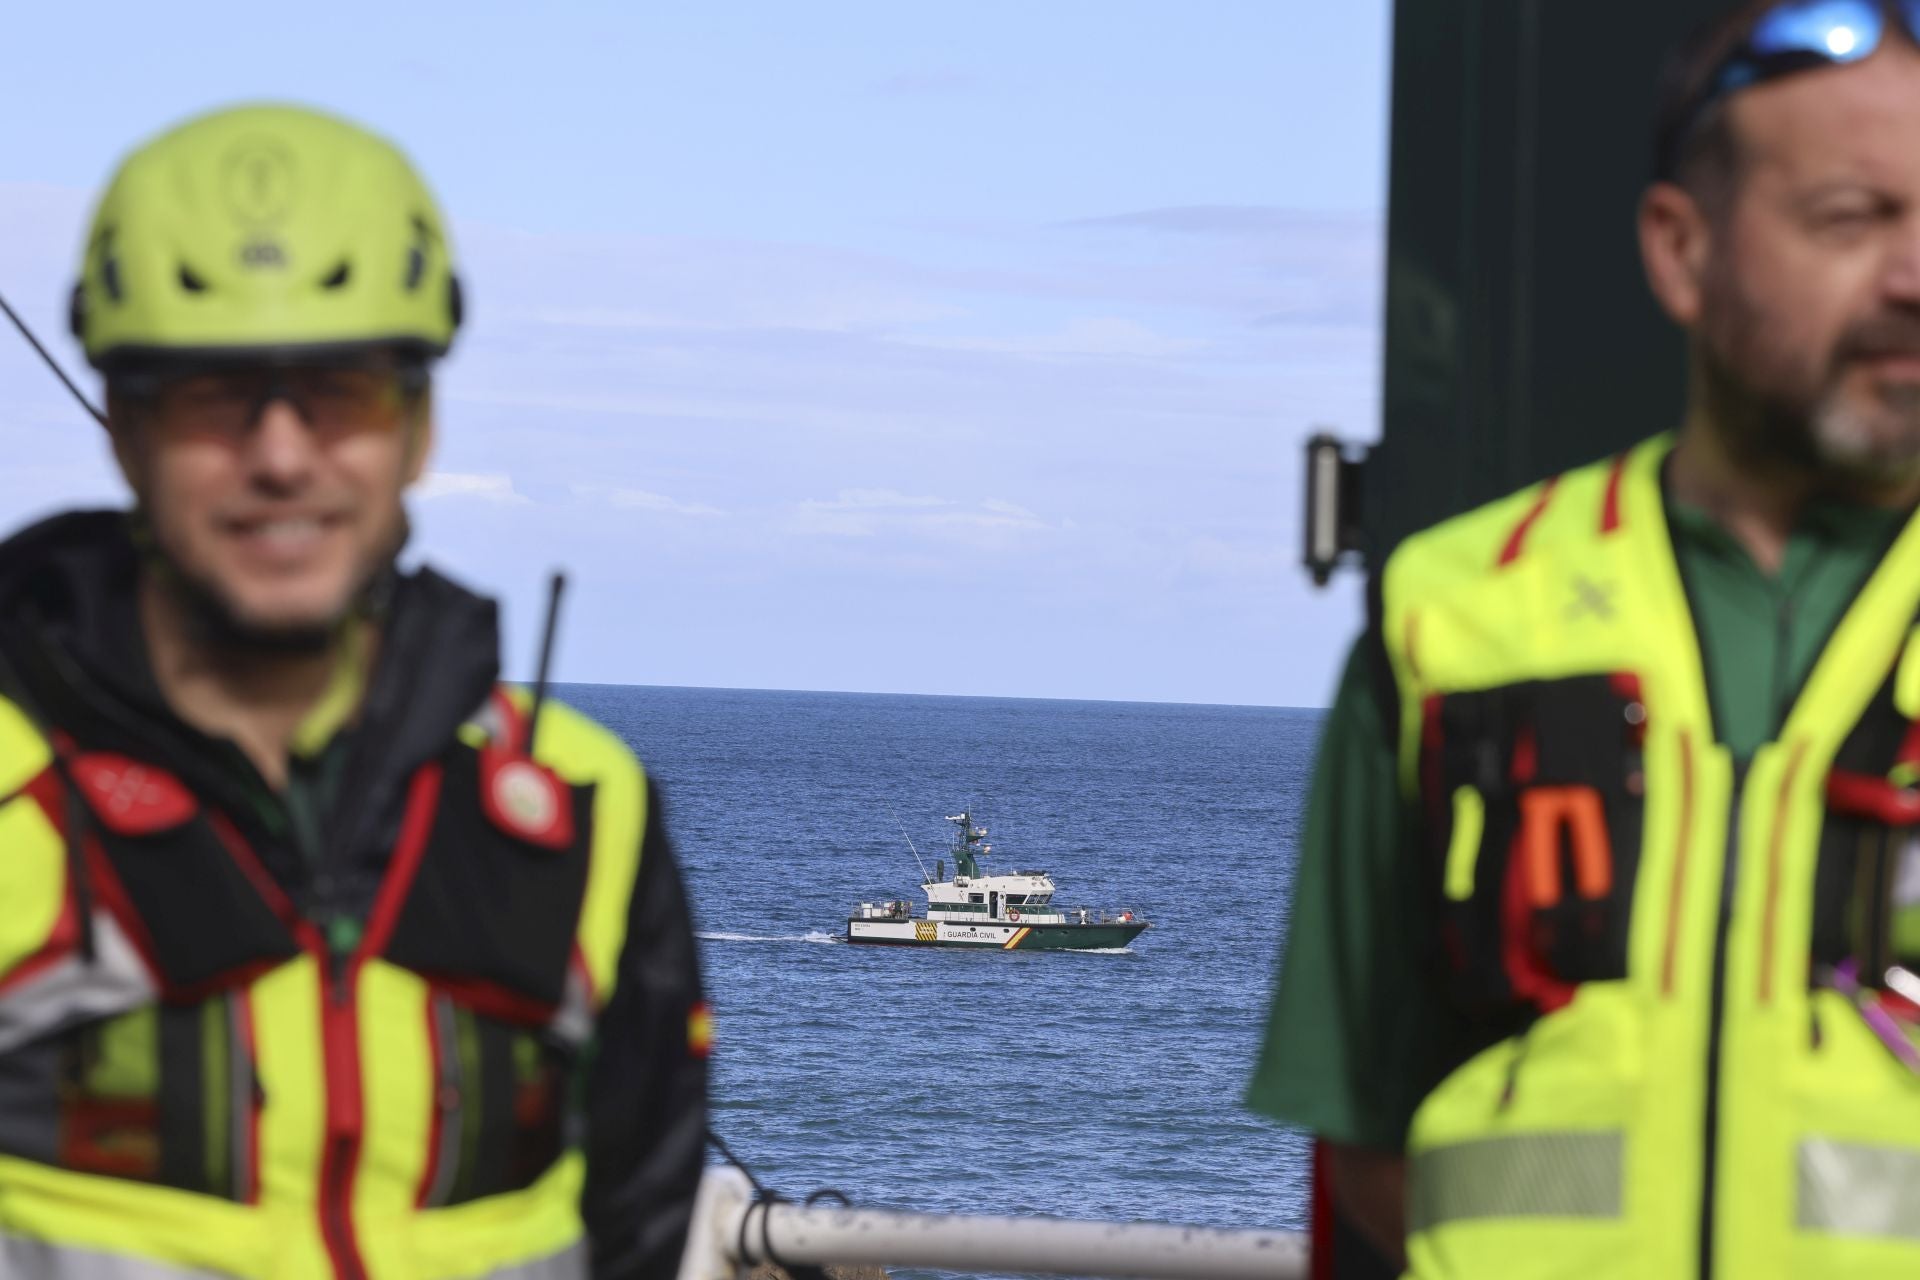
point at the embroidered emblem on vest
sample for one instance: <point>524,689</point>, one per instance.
<point>131,798</point>
<point>526,801</point>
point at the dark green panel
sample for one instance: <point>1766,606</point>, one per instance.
<point>1520,336</point>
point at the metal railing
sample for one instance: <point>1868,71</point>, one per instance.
<point>733,1231</point>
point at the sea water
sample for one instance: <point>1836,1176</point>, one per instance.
<point>1088,1085</point>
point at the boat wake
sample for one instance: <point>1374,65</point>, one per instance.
<point>812,935</point>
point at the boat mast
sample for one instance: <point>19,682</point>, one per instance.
<point>966,860</point>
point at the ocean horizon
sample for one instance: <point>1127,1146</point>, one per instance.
<point>1078,1084</point>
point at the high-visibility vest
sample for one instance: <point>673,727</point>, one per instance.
<point>1674,1081</point>
<point>195,1082</point>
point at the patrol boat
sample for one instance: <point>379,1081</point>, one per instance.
<point>1011,912</point>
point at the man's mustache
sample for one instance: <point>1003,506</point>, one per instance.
<point>1892,334</point>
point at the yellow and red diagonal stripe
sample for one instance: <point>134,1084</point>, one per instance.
<point>1018,937</point>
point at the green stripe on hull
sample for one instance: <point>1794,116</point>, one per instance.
<point>1079,937</point>
<point>1040,937</point>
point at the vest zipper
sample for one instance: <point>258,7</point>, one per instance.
<point>340,1034</point>
<point>1710,1160</point>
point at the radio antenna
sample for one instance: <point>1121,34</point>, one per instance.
<point>555,586</point>
<point>924,877</point>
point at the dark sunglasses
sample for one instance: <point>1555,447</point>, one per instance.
<point>334,400</point>
<point>1795,36</point>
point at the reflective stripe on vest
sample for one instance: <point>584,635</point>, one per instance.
<point>1685,1093</point>
<point>1548,1175</point>
<point>338,1104</point>
<point>38,1260</point>
<point>1852,1189</point>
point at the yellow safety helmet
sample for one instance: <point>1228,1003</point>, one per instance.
<point>264,231</point>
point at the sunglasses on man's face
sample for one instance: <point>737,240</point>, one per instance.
<point>1798,36</point>
<point>334,401</point>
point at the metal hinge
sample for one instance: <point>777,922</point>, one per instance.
<point>1336,473</point>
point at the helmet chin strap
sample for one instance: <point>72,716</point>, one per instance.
<point>213,622</point>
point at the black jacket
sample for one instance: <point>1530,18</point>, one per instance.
<point>71,654</point>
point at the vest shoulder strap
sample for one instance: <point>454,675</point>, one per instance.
<point>584,753</point>
<point>24,751</point>
<point>1560,517</point>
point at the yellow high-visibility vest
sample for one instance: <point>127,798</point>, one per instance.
<point>196,1083</point>
<point>1676,1081</point>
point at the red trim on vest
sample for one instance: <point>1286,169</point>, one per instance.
<point>1910,745</point>
<point>423,805</point>
<point>1610,508</point>
<point>304,931</point>
<point>131,798</point>
<point>96,1136</point>
<point>1627,685</point>
<point>107,890</point>
<point>339,1163</point>
<point>495,1001</point>
<point>1320,1234</point>
<point>62,942</point>
<point>1525,765</point>
<point>64,939</point>
<point>1528,974</point>
<point>1517,540</point>
<point>1864,795</point>
<point>577,962</point>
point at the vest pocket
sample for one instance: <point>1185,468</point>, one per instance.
<point>1867,885</point>
<point>1520,1160</point>
<point>492,910</point>
<point>1534,798</point>
<point>505,1102</point>
<point>163,1094</point>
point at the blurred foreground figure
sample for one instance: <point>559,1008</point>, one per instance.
<point>311,964</point>
<point>1605,946</point>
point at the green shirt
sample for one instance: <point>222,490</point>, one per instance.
<point>1360,1030</point>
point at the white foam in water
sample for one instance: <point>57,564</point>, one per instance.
<point>812,936</point>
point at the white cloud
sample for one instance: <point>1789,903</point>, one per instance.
<point>876,500</point>
<point>1090,336</point>
<point>644,500</point>
<point>496,487</point>
<point>862,513</point>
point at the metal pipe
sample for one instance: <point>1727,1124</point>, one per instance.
<point>730,1232</point>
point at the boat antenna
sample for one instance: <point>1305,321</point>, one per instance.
<point>924,877</point>
<point>52,364</point>
<point>556,585</point>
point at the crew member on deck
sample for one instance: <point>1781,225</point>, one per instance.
<point>1606,937</point>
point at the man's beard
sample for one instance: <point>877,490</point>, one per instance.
<point>217,624</point>
<point>1823,432</point>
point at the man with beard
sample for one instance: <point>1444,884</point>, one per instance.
<point>323,952</point>
<point>1605,948</point>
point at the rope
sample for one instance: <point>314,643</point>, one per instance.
<point>52,364</point>
<point>764,1198</point>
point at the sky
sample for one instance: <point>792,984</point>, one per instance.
<point>942,347</point>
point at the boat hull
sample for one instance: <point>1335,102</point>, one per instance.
<point>993,935</point>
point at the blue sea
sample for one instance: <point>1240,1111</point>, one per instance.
<point>1088,1085</point>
